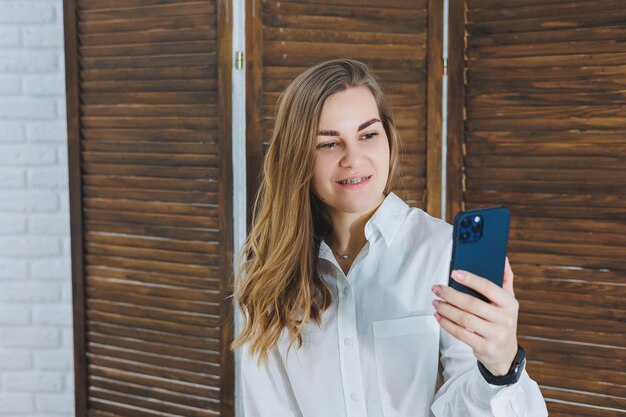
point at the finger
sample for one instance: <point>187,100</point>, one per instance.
<point>467,303</point>
<point>507,281</point>
<point>464,319</point>
<point>485,287</point>
<point>472,339</point>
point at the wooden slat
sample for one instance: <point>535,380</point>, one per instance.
<point>175,340</point>
<point>174,73</point>
<point>154,347</point>
<point>141,390</point>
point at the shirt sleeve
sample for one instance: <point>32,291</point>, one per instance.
<point>466,393</point>
<point>266,390</point>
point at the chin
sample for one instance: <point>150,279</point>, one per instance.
<point>357,202</point>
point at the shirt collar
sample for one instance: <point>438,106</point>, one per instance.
<point>386,220</point>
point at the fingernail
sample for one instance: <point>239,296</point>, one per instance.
<point>437,316</point>
<point>436,289</point>
<point>458,275</point>
<point>436,302</point>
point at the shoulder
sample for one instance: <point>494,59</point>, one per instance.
<point>420,226</point>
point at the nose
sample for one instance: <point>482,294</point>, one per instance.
<point>352,156</point>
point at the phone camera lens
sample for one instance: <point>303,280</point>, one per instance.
<point>465,236</point>
<point>466,222</point>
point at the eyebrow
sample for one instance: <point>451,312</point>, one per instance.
<point>335,133</point>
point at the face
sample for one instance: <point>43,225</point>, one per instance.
<point>351,143</point>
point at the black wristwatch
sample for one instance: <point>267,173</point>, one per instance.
<point>517,367</point>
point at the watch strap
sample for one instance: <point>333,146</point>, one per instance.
<point>517,367</point>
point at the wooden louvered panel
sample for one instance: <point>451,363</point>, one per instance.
<point>392,37</point>
<point>149,111</point>
<point>179,341</point>
<point>543,133</point>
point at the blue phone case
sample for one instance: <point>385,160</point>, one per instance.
<point>480,244</point>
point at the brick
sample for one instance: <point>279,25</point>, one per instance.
<point>64,200</point>
<point>66,292</point>
<point>51,269</point>
<point>29,201</point>
<point>54,360</point>
<point>30,338</point>
<point>58,315</point>
<point>43,36</point>
<point>26,154</point>
<point>29,292</point>
<point>57,224</point>
<point>47,85</point>
<point>10,85</point>
<point>29,246</point>
<point>31,382</point>
<point>12,224</point>
<point>13,178</point>
<point>62,108</point>
<point>13,270</point>
<point>15,360</point>
<point>58,11</point>
<point>67,338</point>
<point>14,315</point>
<point>11,131</point>
<point>69,378</point>
<point>9,36</point>
<point>62,155</point>
<point>12,404</point>
<point>48,178</point>
<point>55,403</point>
<point>25,108</point>
<point>29,61</point>
<point>26,12</point>
<point>48,131</point>
<point>66,243</point>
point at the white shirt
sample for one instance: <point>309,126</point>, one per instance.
<point>379,345</point>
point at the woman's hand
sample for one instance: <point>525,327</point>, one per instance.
<point>489,329</point>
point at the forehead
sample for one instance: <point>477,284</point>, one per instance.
<point>349,107</point>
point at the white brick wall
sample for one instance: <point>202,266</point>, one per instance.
<point>36,365</point>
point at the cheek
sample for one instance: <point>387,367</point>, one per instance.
<point>320,171</point>
<point>382,153</point>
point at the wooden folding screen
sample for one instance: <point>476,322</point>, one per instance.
<point>538,122</point>
<point>148,85</point>
<point>400,40</point>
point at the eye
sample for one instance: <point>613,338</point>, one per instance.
<point>328,145</point>
<point>370,135</point>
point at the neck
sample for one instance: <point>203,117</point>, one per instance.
<point>348,235</point>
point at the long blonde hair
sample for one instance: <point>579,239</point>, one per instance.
<point>277,284</point>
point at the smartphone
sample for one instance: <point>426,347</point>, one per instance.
<point>480,240</point>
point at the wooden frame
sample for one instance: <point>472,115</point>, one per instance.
<point>75,194</point>
<point>224,77</point>
<point>254,101</point>
<point>456,100</point>
<point>434,103</point>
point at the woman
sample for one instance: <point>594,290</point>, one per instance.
<point>343,271</point>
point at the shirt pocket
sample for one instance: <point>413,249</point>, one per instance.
<point>407,353</point>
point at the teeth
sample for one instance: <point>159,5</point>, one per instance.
<point>354,181</point>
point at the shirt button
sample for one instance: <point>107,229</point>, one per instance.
<point>354,397</point>
<point>346,291</point>
<point>347,341</point>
